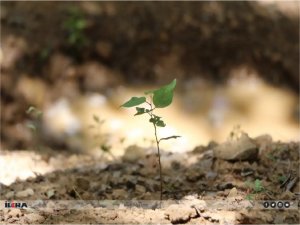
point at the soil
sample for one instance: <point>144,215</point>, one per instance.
<point>59,50</point>
<point>198,187</point>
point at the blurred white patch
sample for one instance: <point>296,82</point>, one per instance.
<point>96,100</point>
<point>135,134</point>
<point>60,119</point>
<point>116,124</point>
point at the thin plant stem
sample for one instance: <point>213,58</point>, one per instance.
<point>158,150</point>
<point>160,173</point>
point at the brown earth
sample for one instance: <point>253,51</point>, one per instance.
<point>57,49</point>
<point>210,189</point>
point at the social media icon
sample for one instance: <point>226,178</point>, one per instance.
<point>279,204</point>
<point>266,204</point>
<point>273,205</point>
<point>287,205</point>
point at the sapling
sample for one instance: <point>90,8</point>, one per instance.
<point>159,98</point>
<point>101,137</point>
<point>35,124</point>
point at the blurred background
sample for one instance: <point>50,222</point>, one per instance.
<point>66,67</point>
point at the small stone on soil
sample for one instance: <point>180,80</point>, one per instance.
<point>26,193</point>
<point>180,214</point>
<point>242,149</point>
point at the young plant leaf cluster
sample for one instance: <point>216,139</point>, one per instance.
<point>159,98</point>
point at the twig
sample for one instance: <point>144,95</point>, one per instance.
<point>77,193</point>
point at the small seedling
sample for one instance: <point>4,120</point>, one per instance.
<point>75,26</point>
<point>35,124</point>
<point>100,137</point>
<point>255,188</point>
<point>159,98</point>
<point>258,186</point>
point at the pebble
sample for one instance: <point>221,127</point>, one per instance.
<point>242,149</point>
<point>232,193</point>
<point>134,153</point>
<point>180,214</point>
<point>26,193</point>
<point>50,193</point>
<point>140,188</point>
<point>263,141</point>
<point>10,195</point>
<point>34,218</point>
<point>119,193</point>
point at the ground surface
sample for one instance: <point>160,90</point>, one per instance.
<point>209,189</point>
<point>94,48</point>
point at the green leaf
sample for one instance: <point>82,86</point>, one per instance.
<point>258,186</point>
<point>171,137</point>
<point>140,111</point>
<point>134,101</point>
<point>156,120</point>
<point>164,96</point>
<point>152,120</point>
<point>160,123</point>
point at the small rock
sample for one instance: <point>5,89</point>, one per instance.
<point>263,141</point>
<point>34,218</point>
<point>148,196</point>
<point>140,188</point>
<point>50,193</point>
<point>194,202</point>
<point>134,153</point>
<point>26,193</point>
<point>180,214</point>
<point>233,193</point>
<point>10,195</point>
<point>119,193</point>
<point>241,149</point>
